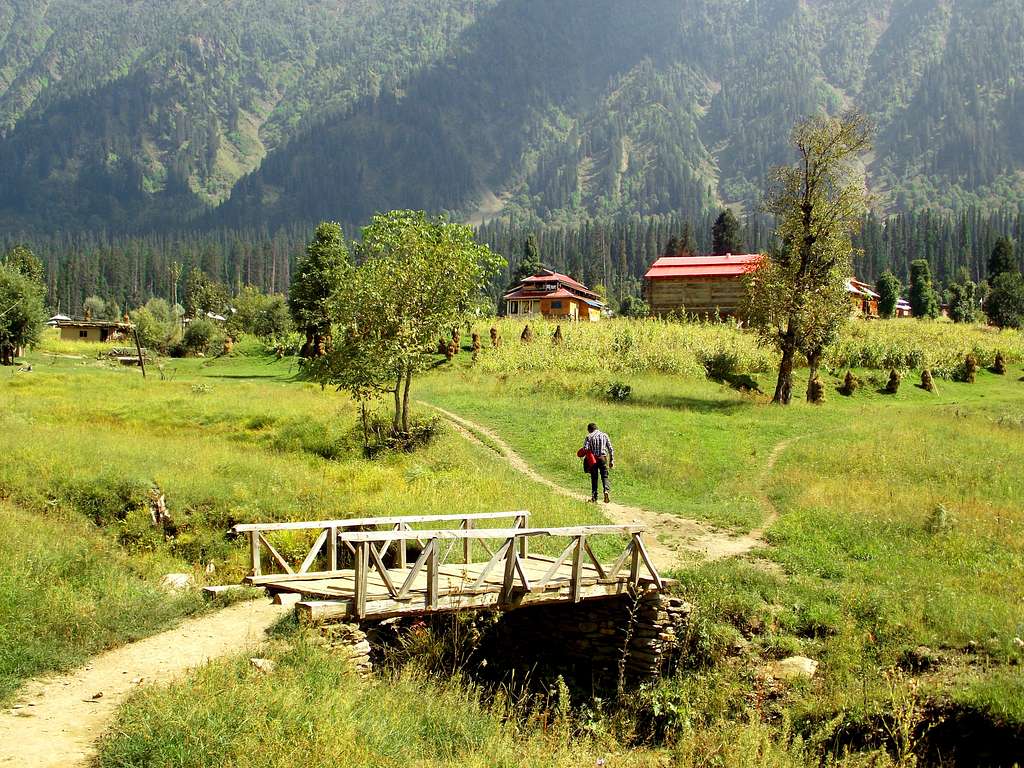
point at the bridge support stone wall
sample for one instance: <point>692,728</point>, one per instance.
<point>604,643</point>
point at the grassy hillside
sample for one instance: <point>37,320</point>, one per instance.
<point>895,554</point>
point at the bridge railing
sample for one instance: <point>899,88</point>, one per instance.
<point>566,573</point>
<point>330,537</point>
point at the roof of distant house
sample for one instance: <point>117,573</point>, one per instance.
<point>526,289</point>
<point>727,265</point>
<point>69,323</point>
<point>856,287</point>
<point>58,319</point>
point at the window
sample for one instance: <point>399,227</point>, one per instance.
<point>513,307</point>
<point>556,305</point>
<point>83,334</point>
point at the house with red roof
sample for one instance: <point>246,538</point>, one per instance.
<point>699,285</point>
<point>554,296</point>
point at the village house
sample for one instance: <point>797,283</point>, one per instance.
<point>91,330</point>
<point>698,285</point>
<point>714,285</point>
<point>554,296</point>
<point>903,308</point>
<point>863,298</point>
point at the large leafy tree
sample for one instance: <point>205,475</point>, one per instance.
<point>889,294</point>
<point>319,275</point>
<point>963,300</point>
<point>21,311</point>
<point>204,295</point>
<point>725,233</point>
<point>21,259</point>
<point>418,278</point>
<point>819,203</point>
<point>924,302</point>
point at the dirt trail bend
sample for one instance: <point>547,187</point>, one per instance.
<point>58,719</point>
<point>672,534</point>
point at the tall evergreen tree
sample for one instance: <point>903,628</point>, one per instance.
<point>889,294</point>
<point>317,277</point>
<point>725,234</point>
<point>924,302</point>
<point>529,264</point>
<point>1001,260</point>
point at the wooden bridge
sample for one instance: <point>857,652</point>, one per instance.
<point>384,566</point>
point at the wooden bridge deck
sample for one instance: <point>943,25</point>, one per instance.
<point>381,581</point>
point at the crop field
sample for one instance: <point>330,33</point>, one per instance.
<point>893,527</point>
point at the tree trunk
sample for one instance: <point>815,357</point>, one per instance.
<point>396,423</point>
<point>405,401</point>
<point>366,427</point>
<point>784,386</point>
<point>814,362</point>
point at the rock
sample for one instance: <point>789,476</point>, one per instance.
<point>794,668</point>
<point>176,581</point>
<point>1018,643</point>
<point>266,666</point>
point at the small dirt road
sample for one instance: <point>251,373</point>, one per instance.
<point>673,534</point>
<point>57,720</point>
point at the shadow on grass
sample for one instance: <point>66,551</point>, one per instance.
<point>685,403</point>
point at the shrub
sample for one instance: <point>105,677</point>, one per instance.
<point>618,391</point>
<point>720,363</point>
<point>106,499</point>
<point>200,336</point>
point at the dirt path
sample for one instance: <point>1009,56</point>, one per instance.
<point>57,720</point>
<point>674,534</point>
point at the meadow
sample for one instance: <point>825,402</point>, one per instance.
<point>895,533</point>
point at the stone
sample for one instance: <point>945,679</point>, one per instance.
<point>794,668</point>
<point>1018,643</point>
<point>176,581</point>
<point>266,666</point>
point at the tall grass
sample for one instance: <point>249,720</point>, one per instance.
<point>693,349</point>
<point>66,593</point>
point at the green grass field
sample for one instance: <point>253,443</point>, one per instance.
<point>862,571</point>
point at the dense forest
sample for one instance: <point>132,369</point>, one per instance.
<point>615,253</point>
<point>135,116</point>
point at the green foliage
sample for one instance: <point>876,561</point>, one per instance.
<point>530,263</point>
<point>618,391</point>
<point>21,259</point>
<point>889,289</point>
<point>324,270</point>
<point>924,302</point>
<point>1005,302</point>
<point>1002,259</point>
<point>201,336</point>
<point>203,295</point>
<point>725,234</point>
<point>963,301</point>
<point>796,298</point>
<point>418,278</point>
<point>632,306</point>
<point>157,325</point>
<point>259,315</point>
<point>21,311</point>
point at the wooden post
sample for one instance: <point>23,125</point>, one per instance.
<point>510,570</point>
<point>254,553</point>
<point>634,561</point>
<point>401,549</point>
<point>467,545</point>
<point>361,577</point>
<point>433,566</point>
<point>332,551</point>
<point>138,348</point>
<point>523,545</point>
<point>577,569</point>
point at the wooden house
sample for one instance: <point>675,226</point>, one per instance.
<point>554,296</point>
<point>863,298</point>
<point>903,308</point>
<point>699,285</point>
<point>92,330</point>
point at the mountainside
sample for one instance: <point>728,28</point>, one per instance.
<point>154,113</point>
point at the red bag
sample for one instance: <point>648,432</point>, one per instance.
<point>589,459</point>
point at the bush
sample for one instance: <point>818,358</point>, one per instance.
<point>106,499</point>
<point>720,362</point>
<point>618,391</point>
<point>201,336</point>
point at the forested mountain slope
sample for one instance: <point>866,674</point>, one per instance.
<point>154,113</point>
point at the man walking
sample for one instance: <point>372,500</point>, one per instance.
<point>598,444</point>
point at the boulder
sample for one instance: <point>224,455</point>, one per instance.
<point>176,581</point>
<point>794,668</point>
<point>266,666</point>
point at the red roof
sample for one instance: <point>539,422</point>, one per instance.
<point>548,276</point>
<point>703,266</point>
<point>561,293</point>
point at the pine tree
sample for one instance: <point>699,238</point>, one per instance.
<point>725,234</point>
<point>923,301</point>
<point>530,263</point>
<point>316,278</point>
<point>889,294</point>
<point>1001,259</point>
